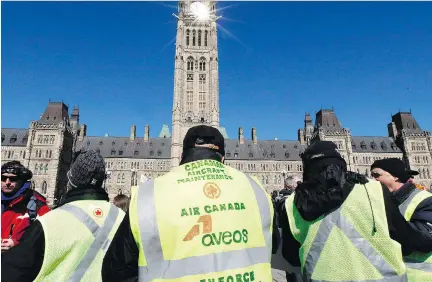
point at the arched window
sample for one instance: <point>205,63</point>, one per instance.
<point>199,37</point>
<point>193,37</point>
<point>205,38</point>
<point>36,169</point>
<point>187,37</point>
<point>202,64</point>
<point>190,64</point>
<point>40,153</point>
<point>24,154</point>
<point>119,192</point>
<point>44,188</point>
<point>46,169</point>
<point>123,179</point>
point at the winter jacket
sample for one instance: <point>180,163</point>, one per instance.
<point>312,205</point>
<point>25,261</point>
<point>421,220</point>
<point>15,218</point>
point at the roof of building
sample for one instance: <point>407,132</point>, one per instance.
<point>14,137</point>
<point>328,120</point>
<point>374,144</point>
<point>123,147</point>
<point>55,113</point>
<point>406,121</point>
<point>165,132</point>
<point>280,150</point>
<point>160,148</point>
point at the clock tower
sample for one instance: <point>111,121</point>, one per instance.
<point>196,77</point>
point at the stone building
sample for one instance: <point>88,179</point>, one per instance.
<point>47,146</point>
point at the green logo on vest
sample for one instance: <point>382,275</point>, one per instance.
<point>240,277</point>
<point>226,238</point>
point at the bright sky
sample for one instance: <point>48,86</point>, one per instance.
<point>277,60</point>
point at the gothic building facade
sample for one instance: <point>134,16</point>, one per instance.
<point>47,146</point>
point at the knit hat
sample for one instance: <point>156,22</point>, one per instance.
<point>321,150</point>
<point>204,136</point>
<point>395,167</point>
<point>88,169</point>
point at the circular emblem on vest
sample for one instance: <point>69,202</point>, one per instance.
<point>98,212</point>
<point>211,190</point>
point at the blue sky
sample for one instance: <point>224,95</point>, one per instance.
<point>277,61</point>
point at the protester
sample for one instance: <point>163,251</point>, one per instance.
<point>20,205</point>
<point>69,243</point>
<point>122,202</point>
<point>343,226</point>
<point>415,205</point>
<point>201,221</point>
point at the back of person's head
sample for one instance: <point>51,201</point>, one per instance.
<point>203,142</point>
<point>322,160</point>
<point>88,170</point>
<point>122,202</point>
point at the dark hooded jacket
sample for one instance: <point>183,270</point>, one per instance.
<point>326,187</point>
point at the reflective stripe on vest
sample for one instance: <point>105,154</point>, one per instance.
<point>382,256</point>
<point>100,233</point>
<point>337,219</point>
<point>416,261</point>
<point>157,266</point>
<point>403,208</point>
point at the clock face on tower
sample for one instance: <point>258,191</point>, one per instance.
<point>200,10</point>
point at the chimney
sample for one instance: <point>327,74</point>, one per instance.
<point>83,132</point>
<point>146,133</point>
<point>301,137</point>
<point>240,135</point>
<point>132,133</point>
<point>392,130</point>
<point>254,136</point>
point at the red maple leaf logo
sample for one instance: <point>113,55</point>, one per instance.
<point>98,212</point>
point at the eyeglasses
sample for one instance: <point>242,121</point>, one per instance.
<point>11,178</point>
<point>375,174</point>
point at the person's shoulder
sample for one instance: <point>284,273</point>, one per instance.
<point>39,197</point>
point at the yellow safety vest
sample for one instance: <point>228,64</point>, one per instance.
<point>203,221</point>
<point>419,265</point>
<point>77,236</point>
<point>351,243</point>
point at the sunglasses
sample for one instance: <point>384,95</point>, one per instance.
<point>375,174</point>
<point>11,178</point>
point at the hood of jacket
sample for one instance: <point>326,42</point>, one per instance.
<point>325,189</point>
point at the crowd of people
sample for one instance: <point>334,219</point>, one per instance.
<point>204,221</point>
